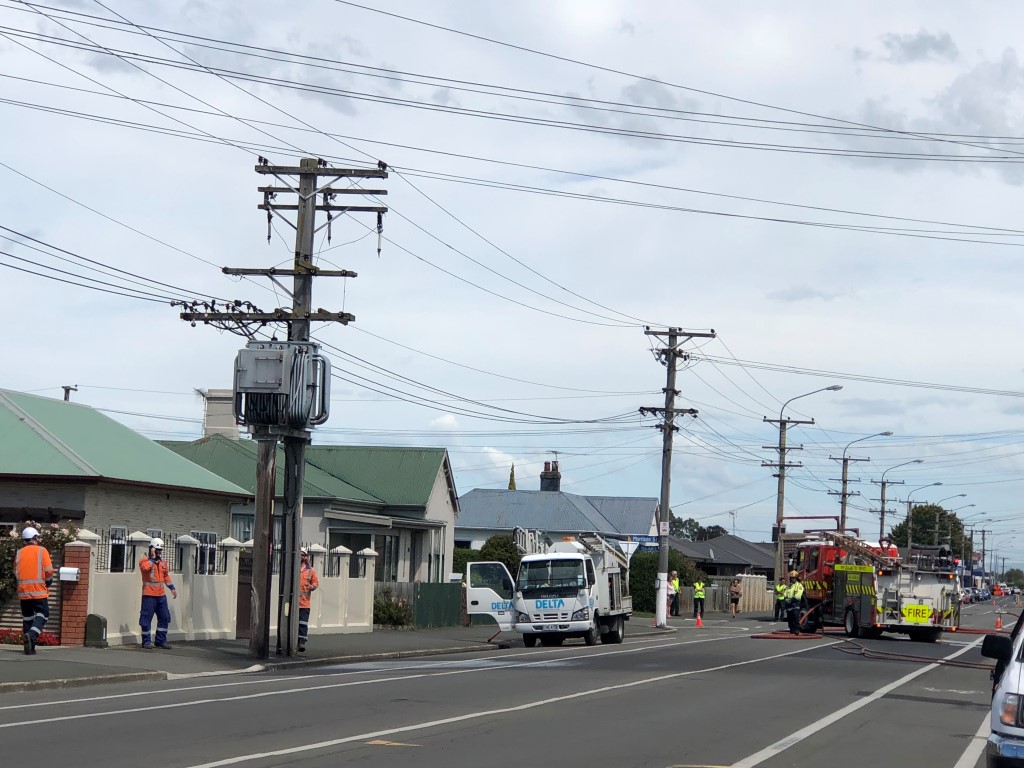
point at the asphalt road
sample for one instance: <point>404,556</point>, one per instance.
<point>697,697</point>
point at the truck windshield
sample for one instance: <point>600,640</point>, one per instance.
<point>551,576</point>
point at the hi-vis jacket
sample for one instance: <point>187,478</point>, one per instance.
<point>795,590</point>
<point>33,567</point>
<point>698,590</point>
<point>308,581</point>
<point>780,591</point>
<point>155,574</point>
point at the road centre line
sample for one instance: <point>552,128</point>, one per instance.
<point>348,684</point>
<point>439,664</point>
<point>970,756</point>
<point>361,737</point>
<point>807,731</point>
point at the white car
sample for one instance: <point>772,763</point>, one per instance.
<point>1006,742</point>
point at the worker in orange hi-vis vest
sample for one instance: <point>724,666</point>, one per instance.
<point>308,582</point>
<point>34,571</point>
<point>155,574</point>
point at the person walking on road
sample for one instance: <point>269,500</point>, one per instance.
<point>673,591</point>
<point>698,598</point>
<point>34,572</point>
<point>794,602</point>
<point>308,582</point>
<point>735,593</point>
<point>155,574</point>
<point>780,598</point>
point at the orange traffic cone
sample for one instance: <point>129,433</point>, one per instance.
<point>999,621</point>
<point>700,621</point>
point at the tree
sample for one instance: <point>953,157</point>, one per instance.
<point>1014,577</point>
<point>502,548</point>
<point>712,532</point>
<point>643,572</point>
<point>950,529</point>
<point>691,530</point>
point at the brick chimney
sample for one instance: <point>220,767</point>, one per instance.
<point>219,417</point>
<point>550,478</point>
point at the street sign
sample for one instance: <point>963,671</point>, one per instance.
<point>664,528</point>
<point>644,539</point>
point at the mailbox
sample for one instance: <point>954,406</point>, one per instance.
<point>69,574</point>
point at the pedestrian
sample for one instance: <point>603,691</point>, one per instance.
<point>780,598</point>
<point>794,602</point>
<point>735,593</point>
<point>308,582</point>
<point>673,592</point>
<point>698,597</point>
<point>34,571</point>
<point>155,574</point>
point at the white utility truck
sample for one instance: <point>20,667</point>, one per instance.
<point>577,587</point>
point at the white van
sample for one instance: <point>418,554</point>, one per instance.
<point>1006,742</point>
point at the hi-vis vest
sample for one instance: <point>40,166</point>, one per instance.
<point>698,590</point>
<point>780,591</point>
<point>154,576</point>
<point>32,567</point>
<point>796,590</point>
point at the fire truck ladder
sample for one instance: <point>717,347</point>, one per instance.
<point>859,548</point>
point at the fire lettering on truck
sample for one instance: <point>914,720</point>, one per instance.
<point>917,614</point>
<point>550,605</point>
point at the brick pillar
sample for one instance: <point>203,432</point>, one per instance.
<point>75,594</point>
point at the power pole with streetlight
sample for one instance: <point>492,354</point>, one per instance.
<point>883,483</point>
<point>910,516</point>
<point>782,465</point>
<point>845,494</point>
<point>938,512</point>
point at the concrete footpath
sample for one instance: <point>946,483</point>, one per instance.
<point>69,667</point>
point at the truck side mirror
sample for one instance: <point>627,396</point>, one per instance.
<point>998,647</point>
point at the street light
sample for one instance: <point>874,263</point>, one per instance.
<point>882,483</point>
<point>938,510</point>
<point>780,499</point>
<point>910,519</point>
<point>846,476</point>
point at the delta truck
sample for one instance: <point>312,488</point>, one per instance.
<point>574,588</point>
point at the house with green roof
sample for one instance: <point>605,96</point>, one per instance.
<point>399,501</point>
<point>63,461</point>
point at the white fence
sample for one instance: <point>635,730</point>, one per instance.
<point>207,604</point>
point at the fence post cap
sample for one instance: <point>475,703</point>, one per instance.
<point>341,550</point>
<point>138,537</point>
<point>77,544</point>
<point>88,536</point>
<point>230,543</point>
<point>317,548</point>
<point>366,553</point>
<point>187,540</point>
<point>248,543</point>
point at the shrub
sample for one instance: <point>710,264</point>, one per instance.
<point>461,556</point>
<point>391,611</point>
<point>503,549</point>
<point>52,536</point>
<point>15,637</point>
<point>643,573</point>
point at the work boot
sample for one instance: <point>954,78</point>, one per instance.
<point>164,646</point>
<point>147,646</point>
<point>302,647</point>
<point>32,643</point>
<point>27,644</point>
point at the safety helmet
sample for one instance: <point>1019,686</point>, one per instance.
<point>304,551</point>
<point>29,533</point>
<point>793,574</point>
<point>156,543</point>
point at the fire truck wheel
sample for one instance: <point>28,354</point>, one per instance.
<point>851,624</point>
<point>529,640</point>
<point>871,633</point>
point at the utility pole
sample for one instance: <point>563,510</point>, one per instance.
<point>883,484</point>
<point>845,494</point>
<point>983,552</point>
<point>68,389</point>
<point>293,427</point>
<point>670,355</point>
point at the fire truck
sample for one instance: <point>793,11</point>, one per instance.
<point>866,588</point>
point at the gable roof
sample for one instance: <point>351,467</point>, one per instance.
<point>380,476</point>
<point>727,550</point>
<point>43,437</point>
<point>492,509</point>
<point>235,460</point>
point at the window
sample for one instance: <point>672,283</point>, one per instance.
<point>118,548</point>
<point>206,556</point>
<point>352,541</point>
<point>242,526</point>
<point>155,533</point>
<point>388,549</point>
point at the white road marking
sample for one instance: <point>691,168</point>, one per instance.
<point>951,690</point>
<point>348,684</point>
<point>491,712</point>
<point>970,756</point>
<point>795,738</point>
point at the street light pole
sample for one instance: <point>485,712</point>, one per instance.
<point>844,494</point>
<point>938,511</point>
<point>910,517</point>
<point>883,484</point>
<point>782,465</point>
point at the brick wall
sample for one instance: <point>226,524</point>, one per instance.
<point>75,595</point>
<point>171,511</point>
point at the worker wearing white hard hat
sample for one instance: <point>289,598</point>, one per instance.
<point>155,575</point>
<point>34,571</point>
<point>308,583</point>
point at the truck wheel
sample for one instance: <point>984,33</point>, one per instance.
<point>615,631</point>
<point>529,640</point>
<point>594,634</point>
<point>851,625</point>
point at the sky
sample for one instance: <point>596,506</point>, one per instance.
<point>834,190</point>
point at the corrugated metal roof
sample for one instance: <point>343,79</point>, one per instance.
<point>235,460</point>
<point>399,476</point>
<point>546,510</point>
<point>635,514</point>
<point>46,437</point>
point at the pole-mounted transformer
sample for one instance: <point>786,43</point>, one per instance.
<point>282,384</point>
